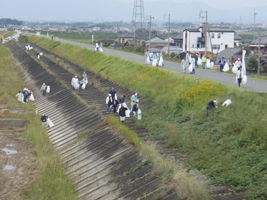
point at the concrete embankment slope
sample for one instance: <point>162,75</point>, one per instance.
<point>102,164</point>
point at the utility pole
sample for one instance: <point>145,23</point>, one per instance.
<point>150,23</point>
<point>259,50</point>
<point>254,24</point>
<point>169,29</point>
<point>206,30</point>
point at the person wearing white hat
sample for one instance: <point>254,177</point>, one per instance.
<point>44,119</point>
<point>133,100</point>
<point>109,103</point>
<point>43,88</point>
<point>238,63</point>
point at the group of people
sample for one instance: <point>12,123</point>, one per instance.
<point>155,58</point>
<point>39,55</point>
<point>99,48</point>
<point>29,47</point>
<point>121,107</point>
<point>76,83</point>
<point>25,95</point>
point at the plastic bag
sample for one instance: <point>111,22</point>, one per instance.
<point>208,63</point>
<point>199,61</point>
<point>211,65</point>
<point>244,79</point>
<point>127,112</point>
<point>227,102</point>
<point>31,97</point>
<point>49,123</point>
<point>139,114</point>
<point>234,69</point>
<point>154,62</point>
<point>226,67</point>
<point>190,68</point>
<point>48,89</point>
<point>83,86</point>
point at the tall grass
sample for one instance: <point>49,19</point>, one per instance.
<point>229,145</point>
<point>50,180</point>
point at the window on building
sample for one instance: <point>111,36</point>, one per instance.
<point>212,35</point>
<point>198,45</point>
<point>226,45</point>
<point>219,36</point>
<point>122,41</point>
<point>216,47</point>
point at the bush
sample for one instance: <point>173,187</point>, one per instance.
<point>252,64</point>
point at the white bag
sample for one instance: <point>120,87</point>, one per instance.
<point>227,102</point>
<point>208,63</point>
<point>49,123</point>
<point>83,86</point>
<point>226,67</point>
<point>148,60</point>
<point>127,112</point>
<point>48,89</point>
<point>190,59</point>
<point>199,61</point>
<point>100,49</point>
<point>31,97</point>
<point>234,69</point>
<point>160,62</point>
<point>211,65</point>
<point>154,62</point>
<point>244,79</point>
<point>190,68</point>
<point>139,114</point>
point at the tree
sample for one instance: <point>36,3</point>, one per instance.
<point>252,64</point>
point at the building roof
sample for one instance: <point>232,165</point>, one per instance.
<point>145,37</point>
<point>237,37</point>
<point>263,40</point>
<point>228,52</point>
<point>178,37</point>
<point>211,29</point>
<point>126,35</point>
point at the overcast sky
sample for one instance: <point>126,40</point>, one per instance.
<point>116,10</point>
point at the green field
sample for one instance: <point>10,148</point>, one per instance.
<point>230,145</point>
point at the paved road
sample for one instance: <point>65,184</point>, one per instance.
<point>252,84</point>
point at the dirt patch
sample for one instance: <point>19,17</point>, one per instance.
<point>16,160</point>
<point>13,123</point>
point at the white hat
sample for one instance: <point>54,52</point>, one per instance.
<point>238,58</point>
<point>43,83</point>
<point>109,95</point>
<point>135,94</point>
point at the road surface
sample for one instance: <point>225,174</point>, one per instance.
<point>229,79</point>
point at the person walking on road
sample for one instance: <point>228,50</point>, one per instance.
<point>43,88</point>
<point>147,58</point>
<point>122,113</point>
<point>239,76</point>
<point>133,100</point>
<point>183,65</point>
<point>196,58</point>
<point>238,63</point>
<point>204,60</point>
<point>109,103</point>
<point>211,105</point>
<point>221,63</point>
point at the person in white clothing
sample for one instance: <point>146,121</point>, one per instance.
<point>238,63</point>
<point>133,100</point>
<point>239,76</point>
<point>20,96</point>
<point>147,57</point>
<point>183,65</point>
<point>109,103</point>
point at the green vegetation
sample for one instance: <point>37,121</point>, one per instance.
<point>229,145</point>
<point>51,182</point>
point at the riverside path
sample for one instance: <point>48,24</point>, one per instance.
<point>229,79</point>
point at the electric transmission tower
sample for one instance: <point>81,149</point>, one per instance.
<point>138,14</point>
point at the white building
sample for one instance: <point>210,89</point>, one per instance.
<point>217,40</point>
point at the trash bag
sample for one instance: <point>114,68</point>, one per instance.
<point>154,62</point>
<point>100,49</point>
<point>127,112</point>
<point>31,97</point>
<point>48,89</point>
<point>226,67</point>
<point>208,63</point>
<point>148,60</point>
<point>49,123</point>
<point>211,65</point>
<point>234,69</point>
<point>190,68</point>
<point>244,79</point>
<point>199,62</point>
<point>160,62</point>
<point>139,114</point>
<point>83,86</point>
<point>227,102</point>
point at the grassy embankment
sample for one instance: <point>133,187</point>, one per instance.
<point>50,180</point>
<point>229,145</point>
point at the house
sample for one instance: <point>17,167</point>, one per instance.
<point>173,49</point>
<point>237,40</point>
<point>229,54</point>
<point>218,39</point>
<point>123,38</point>
<point>156,42</point>
<point>178,40</point>
<point>254,45</point>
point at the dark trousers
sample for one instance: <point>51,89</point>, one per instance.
<point>25,98</point>
<point>43,91</point>
<point>221,68</point>
<point>208,108</point>
<point>239,80</point>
